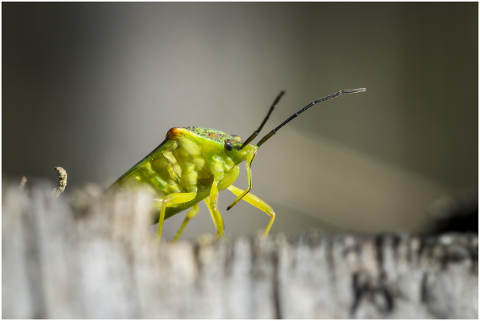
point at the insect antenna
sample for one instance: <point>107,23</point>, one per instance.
<point>331,96</point>
<point>255,133</point>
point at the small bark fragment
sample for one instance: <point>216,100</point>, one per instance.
<point>62,181</point>
<point>23,182</point>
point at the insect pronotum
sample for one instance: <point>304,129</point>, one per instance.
<point>194,163</point>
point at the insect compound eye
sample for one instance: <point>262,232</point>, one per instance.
<point>228,145</point>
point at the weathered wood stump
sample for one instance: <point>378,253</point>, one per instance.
<point>96,257</point>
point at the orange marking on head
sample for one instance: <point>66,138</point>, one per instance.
<point>175,132</point>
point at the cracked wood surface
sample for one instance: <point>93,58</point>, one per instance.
<point>96,257</point>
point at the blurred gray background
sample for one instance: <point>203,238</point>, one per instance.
<point>94,88</point>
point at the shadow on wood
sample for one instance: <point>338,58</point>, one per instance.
<point>95,256</point>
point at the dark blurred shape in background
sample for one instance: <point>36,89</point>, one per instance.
<point>94,87</point>
<point>455,214</point>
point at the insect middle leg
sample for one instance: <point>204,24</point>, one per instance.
<point>258,203</point>
<point>171,200</point>
<point>217,219</point>
<point>212,204</point>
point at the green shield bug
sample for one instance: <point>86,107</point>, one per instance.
<point>195,163</point>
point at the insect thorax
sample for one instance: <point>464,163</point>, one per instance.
<point>187,162</point>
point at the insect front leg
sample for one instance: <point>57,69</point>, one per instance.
<point>258,203</point>
<point>172,199</point>
<point>248,166</point>
<point>190,214</point>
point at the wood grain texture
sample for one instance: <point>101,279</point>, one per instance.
<point>95,256</point>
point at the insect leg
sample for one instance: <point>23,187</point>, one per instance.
<point>190,214</point>
<point>212,204</point>
<point>248,166</point>
<point>258,203</point>
<point>214,217</point>
<point>171,200</point>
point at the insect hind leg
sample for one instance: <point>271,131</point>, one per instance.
<point>258,203</point>
<point>190,214</point>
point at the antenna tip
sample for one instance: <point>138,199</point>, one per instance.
<point>354,91</point>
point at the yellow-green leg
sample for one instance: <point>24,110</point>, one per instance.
<point>248,166</point>
<point>171,200</point>
<point>212,204</point>
<point>190,214</point>
<point>258,203</point>
<point>218,224</point>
